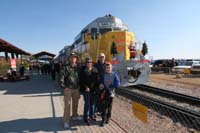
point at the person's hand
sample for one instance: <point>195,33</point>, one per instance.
<point>87,89</point>
<point>101,86</point>
<point>66,90</point>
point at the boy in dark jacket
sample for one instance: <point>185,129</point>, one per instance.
<point>109,82</point>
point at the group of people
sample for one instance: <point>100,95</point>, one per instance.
<point>12,73</point>
<point>96,82</point>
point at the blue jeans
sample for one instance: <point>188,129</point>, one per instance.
<point>89,105</point>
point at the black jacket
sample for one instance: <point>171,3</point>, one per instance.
<point>70,77</point>
<point>89,79</point>
<point>101,68</point>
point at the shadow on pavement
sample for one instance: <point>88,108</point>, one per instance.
<point>37,84</point>
<point>32,125</point>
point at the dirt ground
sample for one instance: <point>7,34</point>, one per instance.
<point>186,81</point>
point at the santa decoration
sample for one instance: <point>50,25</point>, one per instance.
<point>132,50</point>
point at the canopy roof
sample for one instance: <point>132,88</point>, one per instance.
<point>43,54</point>
<point>10,48</point>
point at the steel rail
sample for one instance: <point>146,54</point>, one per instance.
<point>169,94</point>
<point>186,117</point>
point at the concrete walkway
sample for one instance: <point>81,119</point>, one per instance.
<point>36,106</point>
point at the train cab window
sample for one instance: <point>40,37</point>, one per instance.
<point>93,31</point>
<point>117,29</point>
<point>72,47</point>
<point>105,30</point>
<point>78,40</point>
<point>85,31</point>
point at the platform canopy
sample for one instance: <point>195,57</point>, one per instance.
<point>10,48</point>
<point>44,55</point>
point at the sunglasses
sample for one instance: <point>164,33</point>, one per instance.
<point>89,62</point>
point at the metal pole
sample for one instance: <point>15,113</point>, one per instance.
<point>98,48</point>
<point>94,46</point>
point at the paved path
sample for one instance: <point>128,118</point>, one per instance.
<point>36,106</point>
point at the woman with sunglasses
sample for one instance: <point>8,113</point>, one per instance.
<point>89,83</point>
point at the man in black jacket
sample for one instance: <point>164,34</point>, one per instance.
<point>100,65</point>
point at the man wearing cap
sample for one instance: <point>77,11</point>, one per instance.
<point>89,83</point>
<point>100,65</point>
<point>70,83</point>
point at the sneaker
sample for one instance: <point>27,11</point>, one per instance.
<point>93,118</point>
<point>107,121</point>
<point>77,118</point>
<point>89,122</point>
<point>66,125</point>
<point>98,113</point>
<point>102,124</point>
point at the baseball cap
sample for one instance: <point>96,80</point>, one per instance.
<point>101,55</point>
<point>73,54</point>
<point>88,59</point>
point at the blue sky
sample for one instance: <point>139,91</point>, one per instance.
<point>170,27</point>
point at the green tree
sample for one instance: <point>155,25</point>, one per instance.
<point>113,50</point>
<point>144,48</point>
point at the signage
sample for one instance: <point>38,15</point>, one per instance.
<point>13,63</point>
<point>186,71</point>
<point>104,24</point>
<point>140,111</point>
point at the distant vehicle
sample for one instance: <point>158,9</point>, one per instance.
<point>195,68</point>
<point>181,68</point>
<point>192,59</point>
<point>161,63</point>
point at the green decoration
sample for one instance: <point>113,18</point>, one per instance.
<point>144,48</point>
<point>113,50</point>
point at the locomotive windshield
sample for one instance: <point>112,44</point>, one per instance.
<point>105,30</point>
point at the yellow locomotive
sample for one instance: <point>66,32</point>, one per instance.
<point>110,36</point>
<point>99,37</point>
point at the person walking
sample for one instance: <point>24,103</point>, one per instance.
<point>53,70</point>
<point>21,69</point>
<point>108,83</point>
<point>89,79</point>
<point>70,82</point>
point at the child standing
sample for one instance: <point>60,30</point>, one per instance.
<point>109,82</point>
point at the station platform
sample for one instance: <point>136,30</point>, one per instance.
<point>37,106</point>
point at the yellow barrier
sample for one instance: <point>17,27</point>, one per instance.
<point>140,111</point>
<point>186,71</point>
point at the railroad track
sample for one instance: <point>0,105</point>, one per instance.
<point>188,118</point>
<point>169,94</point>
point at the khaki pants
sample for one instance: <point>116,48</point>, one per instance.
<point>73,94</point>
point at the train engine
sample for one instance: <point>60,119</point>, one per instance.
<point>110,36</point>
